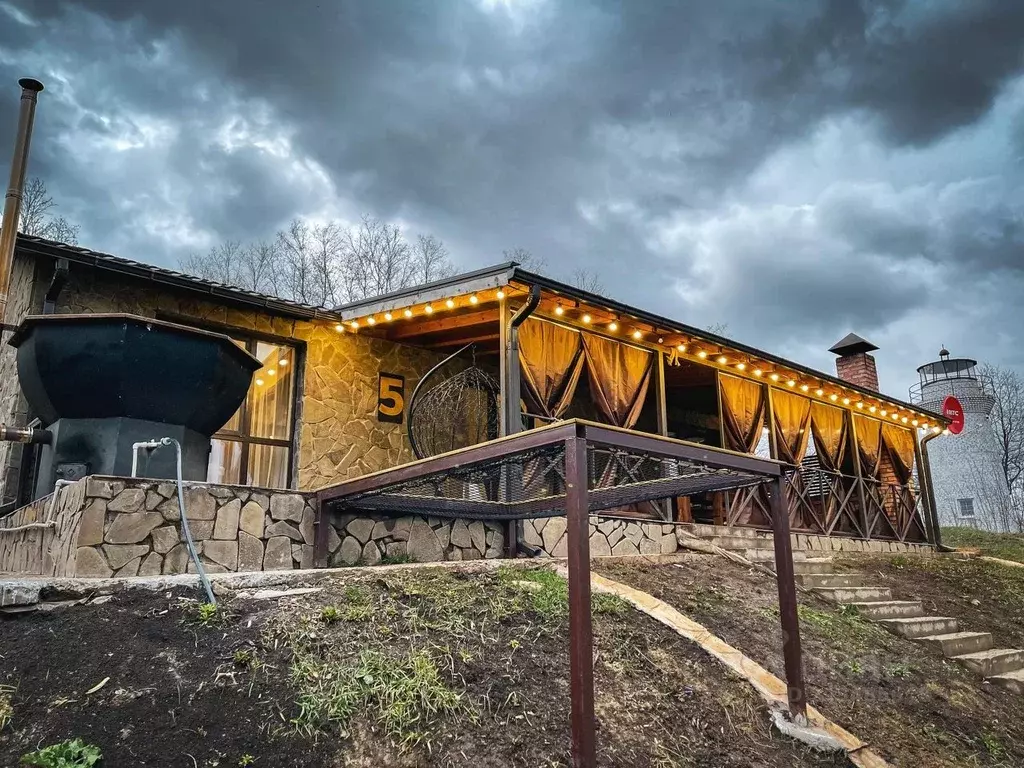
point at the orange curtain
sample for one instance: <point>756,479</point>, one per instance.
<point>551,360</point>
<point>743,412</point>
<point>869,441</point>
<point>619,375</point>
<point>792,425</point>
<point>828,426</point>
<point>900,442</point>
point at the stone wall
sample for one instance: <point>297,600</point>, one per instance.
<point>107,526</point>
<point>13,410</point>
<point>608,536</point>
<point>47,547</point>
<point>339,436</point>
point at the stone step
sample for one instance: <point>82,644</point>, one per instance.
<point>1011,681</point>
<point>995,661</point>
<point>880,610</point>
<point>959,643</point>
<point>811,566</point>
<point>855,594</point>
<point>817,580</point>
<point>921,626</point>
<point>738,543</point>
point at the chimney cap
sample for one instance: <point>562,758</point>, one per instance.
<point>852,344</point>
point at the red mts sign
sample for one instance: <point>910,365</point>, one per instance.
<point>953,411</point>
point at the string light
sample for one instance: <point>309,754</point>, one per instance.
<point>681,347</point>
<point>428,309</point>
<point>833,397</point>
<point>371,321</point>
<point>846,401</point>
<point>559,311</point>
<point>408,313</point>
<point>271,371</point>
<point>872,409</point>
<point>450,303</point>
<point>860,405</point>
<point>791,383</point>
<point>819,392</point>
<point>936,430</point>
<point>884,412</point>
<point>613,326</point>
<point>339,328</point>
<point>914,422</point>
<point>259,382</point>
<point>501,295</point>
<point>758,372</point>
<point>722,360</point>
<point>774,377</point>
<point>387,316</point>
<point>473,299</point>
<point>895,416</point>
<point>586,319</point>
<point>354,325</point>
<point>702,354</point>
<point>741,366</point>
<point>637,334</point>
<point>904,420</point>
<point>804,387</point>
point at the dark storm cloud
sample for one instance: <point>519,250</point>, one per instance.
<point>626,138</point>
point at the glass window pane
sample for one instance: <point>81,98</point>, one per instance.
<point>235,422</point>
<point>225,462</point>
<point>270,399</point>
<point>268,465</point>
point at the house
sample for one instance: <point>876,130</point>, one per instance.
<point>332,400</point>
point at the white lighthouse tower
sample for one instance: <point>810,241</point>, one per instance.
<point>967,477</point>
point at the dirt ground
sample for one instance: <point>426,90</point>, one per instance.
<point>401,668</point>
<point>912,706</point>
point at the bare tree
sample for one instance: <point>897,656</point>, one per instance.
<point>221,263</point>
<point>258,269</point>
<point>37,217</point>
<point>1008,422</point>
<point>586,280</point>
<point>719,329</point>
<point>432,259</point>
<point>378,260</point>
<point>525,258</point>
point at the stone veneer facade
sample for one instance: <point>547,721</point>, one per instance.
<point>106,526</point>
<point>608,536</point>
<point>338,434</point>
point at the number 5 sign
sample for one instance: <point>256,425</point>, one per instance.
<point>390,397</point>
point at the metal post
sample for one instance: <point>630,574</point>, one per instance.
<point>791,652</point>
<point>12,202</point>
<point>581,641</point>
<point>665,504</point>
<point>321,533</point>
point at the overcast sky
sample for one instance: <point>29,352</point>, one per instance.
<point>795,170</point>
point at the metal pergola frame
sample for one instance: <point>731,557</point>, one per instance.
<point>571,446</point>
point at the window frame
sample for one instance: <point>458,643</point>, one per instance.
<point>251,338</point>
<point>960,508</point>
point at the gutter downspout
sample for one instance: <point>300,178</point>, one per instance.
<point>513,420</point>
<point>933,514</point>
<point>12,202</point>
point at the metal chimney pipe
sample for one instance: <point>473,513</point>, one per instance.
<point>12,202</point>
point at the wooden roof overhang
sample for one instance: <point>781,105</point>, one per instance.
<point>464,309</point>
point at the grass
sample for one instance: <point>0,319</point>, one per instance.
<point>6,705</point>
<point>73,753</point>
<point>401,694</point>
<point>1007,546</point>
<point>844,628</point>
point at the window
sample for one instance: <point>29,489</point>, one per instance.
<point>966,507</point>
<point>254,447</point>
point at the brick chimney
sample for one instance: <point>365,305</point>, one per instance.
<point>855,363</point>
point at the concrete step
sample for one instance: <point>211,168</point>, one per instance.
<point>878,610</point>
<point>995,661</point>
<point>811,566</point>
<point>959,643</point>
<point>710,531</point>
<point>921,626</point>
<point>855,594</point>
<point>818,580</point>
<point>1011,681</point>
<point>739,543</point>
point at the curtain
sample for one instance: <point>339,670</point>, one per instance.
<point>743,413</point>
<point>829,428</point>
<point>792,425</point>
<point>900,442</point>
<point>551,360</point>
<point>869,441</point>
<point>619,375</point>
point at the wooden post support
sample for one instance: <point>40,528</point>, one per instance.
<point>581,640</point>
<point>791,651</point>
<point>855,448</point>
